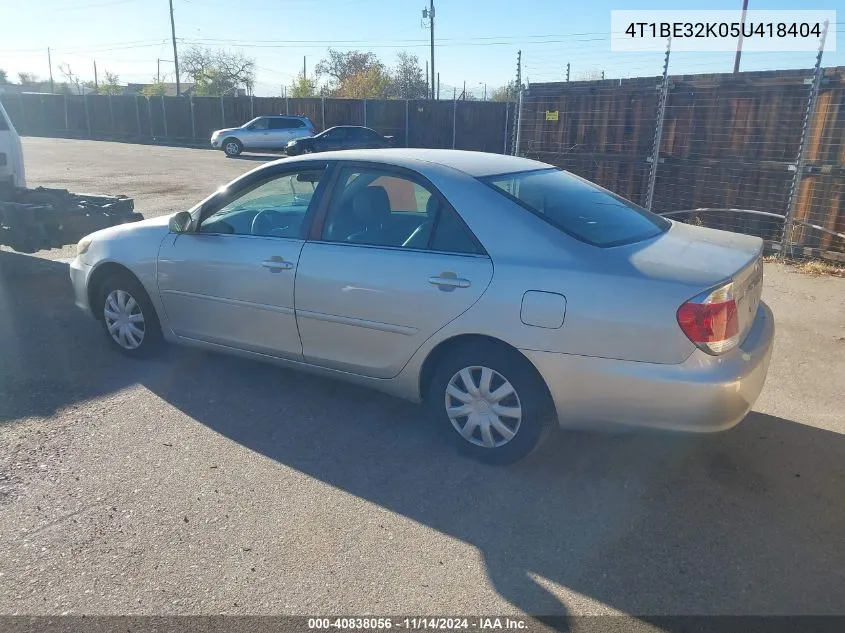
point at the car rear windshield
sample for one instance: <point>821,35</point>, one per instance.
<point>578,207</point>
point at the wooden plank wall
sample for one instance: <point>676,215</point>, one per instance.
<point>729,141</point>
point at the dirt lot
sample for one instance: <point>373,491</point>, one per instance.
<point>197,483</point>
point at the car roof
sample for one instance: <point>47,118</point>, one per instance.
<point>476,164</point>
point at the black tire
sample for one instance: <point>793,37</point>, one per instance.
<point>152,339</point>
<point>232,147</point>
<point>530,392</point>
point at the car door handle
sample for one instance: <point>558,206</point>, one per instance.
<point>449,281</point>
<point>276,263</point>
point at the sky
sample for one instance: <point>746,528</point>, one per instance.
<point>476,41</point>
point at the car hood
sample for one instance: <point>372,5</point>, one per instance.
<point>226,131</point>
<point>301,138</point>
<point>157,225</point>
<point>693,255</point>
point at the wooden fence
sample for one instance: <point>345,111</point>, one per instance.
<point>728,142</point>
<point>472,125</point>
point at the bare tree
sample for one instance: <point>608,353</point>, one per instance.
<point>218,72</point>
<point>27,78</point>
<point>4,78</point>
<point>72,78</point>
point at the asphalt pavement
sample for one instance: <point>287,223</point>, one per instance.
<point>198,483</point>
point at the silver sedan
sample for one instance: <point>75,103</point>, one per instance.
<point>503,293</point>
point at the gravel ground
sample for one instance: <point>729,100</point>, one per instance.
<point>197,483</point>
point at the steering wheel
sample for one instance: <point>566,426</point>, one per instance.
<point>263,224</point>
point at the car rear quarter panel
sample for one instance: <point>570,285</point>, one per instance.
<point>613,309</point>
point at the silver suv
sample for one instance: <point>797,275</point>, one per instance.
<point>264,132</point>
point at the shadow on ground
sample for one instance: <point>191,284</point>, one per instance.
<point>745,522</point>
<point>258,157</point>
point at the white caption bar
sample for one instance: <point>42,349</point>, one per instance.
<point>693,30</point>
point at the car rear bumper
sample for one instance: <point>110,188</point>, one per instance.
<point>79,273</point>
<point>704,393</point>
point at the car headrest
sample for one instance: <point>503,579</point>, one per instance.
<point>371,204</point>
<point>532,194</point>
<point>431,207</point>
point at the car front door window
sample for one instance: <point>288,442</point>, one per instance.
<point>271,208</point>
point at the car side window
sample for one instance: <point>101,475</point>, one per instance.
<point>275,207</point>
<point>378,208</point>
<point>261,124</point>
<point>336,135</point>
<point>281,124</point>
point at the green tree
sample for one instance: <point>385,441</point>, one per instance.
<point>155,89</point>
<point>407,78</point>
<point>370,83</point>
<point>508,92</point>
<point>111,85</point>
<point>340,68</point>
<point>303,87</point>
<point>218,72</point>
<point>4,78</point>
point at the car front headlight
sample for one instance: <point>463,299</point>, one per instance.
<point>83,245</point>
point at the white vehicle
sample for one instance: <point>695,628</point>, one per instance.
<point>41,218</point>
<point>11,154</point>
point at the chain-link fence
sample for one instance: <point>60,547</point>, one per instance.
<point>761,153</point>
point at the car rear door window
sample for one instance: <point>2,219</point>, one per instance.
<point>281,124</point>
<point>578,207</point>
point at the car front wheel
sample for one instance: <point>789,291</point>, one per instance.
<point>128,316</point>
<point>491,403</point>
<point>232,147</point>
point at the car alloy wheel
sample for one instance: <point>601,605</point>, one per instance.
<point>231,148</point>
<point>124,319</point>
<point>483,406</point>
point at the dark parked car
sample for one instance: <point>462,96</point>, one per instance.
<point>339,137</point>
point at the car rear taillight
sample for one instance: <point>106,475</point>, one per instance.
<point>710,320</point>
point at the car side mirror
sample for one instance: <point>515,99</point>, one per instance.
<point>181,222</point>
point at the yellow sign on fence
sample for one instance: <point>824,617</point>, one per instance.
<point>552,116</point>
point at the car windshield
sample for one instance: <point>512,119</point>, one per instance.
<point>578,207</point>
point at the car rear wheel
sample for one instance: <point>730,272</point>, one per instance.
<point>491,403</point>
<point>232,147</point>
<point>128,316</point>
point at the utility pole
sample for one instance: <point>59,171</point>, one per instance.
<point>429,14</point>
<point>304,75</point>
<point>739,40</point>
<point>519,70</point>
<point>50,64</point>
<point>427,82</point>
<point>96,85</point>
<point>567,72</point>
<point>175,54</point>
<point>158,71</point>
<point>464,93</point>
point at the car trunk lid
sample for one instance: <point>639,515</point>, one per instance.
<point>704,259</point>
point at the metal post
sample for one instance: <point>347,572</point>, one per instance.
<point>287,106</point>
<point>454,120</point>
<point>365,113</point>
<point>222,112</point>
<point>251,106</point>
<point>66,119</point>
<point>164,116</point>
<point>323,110</point>
<point>150,116</point>
<point>658,130</point>
<point>505,134</point>
<point>43,116</point>
<point>137,115</point>
<point>800,161</point>
<point>111,115</point>
<point>518,125</point>
<point>407,125</point>
<point>193,122</point>
<point>87,116</point>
